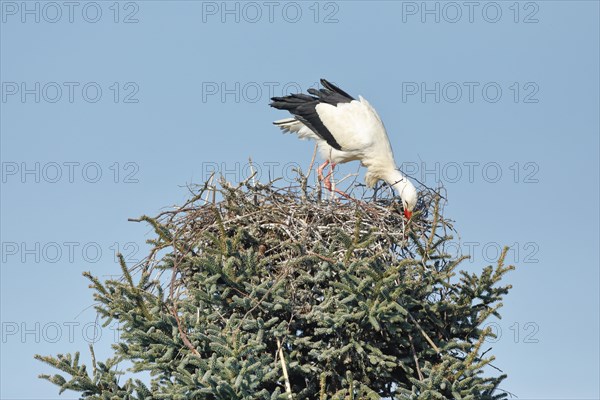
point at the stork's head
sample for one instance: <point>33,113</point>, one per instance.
<point>404,188</point>
<point>409,200</point>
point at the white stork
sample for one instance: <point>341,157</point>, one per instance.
<point>345,130</point>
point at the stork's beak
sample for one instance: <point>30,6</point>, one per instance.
<point>407,214</point>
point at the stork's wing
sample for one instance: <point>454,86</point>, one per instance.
<point>303,107</point>
<point>333,115</point>
<point>354,125</point>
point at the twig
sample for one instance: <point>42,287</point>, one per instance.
<point>312,162</point>
<point>288,388</point>
<point>425,335</point>
<point>414,352</point>
<point>184,336</point>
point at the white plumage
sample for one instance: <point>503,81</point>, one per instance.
<point>346,130</point>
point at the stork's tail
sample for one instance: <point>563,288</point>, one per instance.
<point>292,125</point>
<point>288,124</point>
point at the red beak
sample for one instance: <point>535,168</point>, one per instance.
<point>407,214</point>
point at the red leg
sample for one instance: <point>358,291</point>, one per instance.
<point>328,178</point>
<point>338,191</point>
<point>320,170</point>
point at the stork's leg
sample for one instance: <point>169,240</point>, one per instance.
<point>331,188</point>
<point>320,170</point>
<point>327,180</point>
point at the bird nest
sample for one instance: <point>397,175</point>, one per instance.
<point>283,223</point>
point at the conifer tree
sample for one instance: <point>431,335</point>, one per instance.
<point>259,292</point>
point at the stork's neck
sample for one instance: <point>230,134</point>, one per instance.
<point>396,180</point>
<point>401,185</point>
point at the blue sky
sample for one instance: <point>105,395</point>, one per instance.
<point>109,110</point>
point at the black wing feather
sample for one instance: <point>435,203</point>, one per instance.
<point>303,107</point>
<point>331,87</point>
